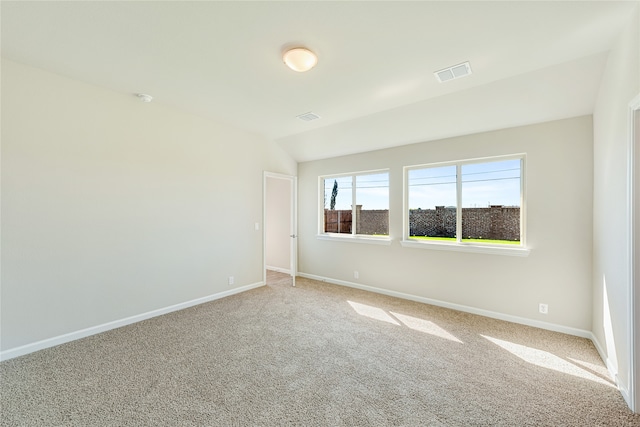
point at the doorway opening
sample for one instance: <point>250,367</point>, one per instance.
<point>280,228</point>
<point>634,252</point>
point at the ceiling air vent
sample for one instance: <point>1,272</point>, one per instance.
<point>454,72</point>
<point>307,117</point>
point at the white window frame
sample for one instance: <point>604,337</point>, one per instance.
<point>353,237</point>
<point>459,245</point>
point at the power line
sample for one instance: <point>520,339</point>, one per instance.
<point>492,179</point>
<point>428,177</point>
<point>465,182</point>
<point>433,177</point>
<point>435,183</point>
<point>501,170</point>
<point>464,174</point>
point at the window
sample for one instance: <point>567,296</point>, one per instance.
<point>355,204</point>
<point>473,202</point>
<point>432,203</point>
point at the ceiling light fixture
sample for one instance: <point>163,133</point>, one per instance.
<point>144,97</point>
<point>300,59</point>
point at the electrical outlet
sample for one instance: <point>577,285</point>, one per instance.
<point>543,308</point>
<point>356,275</point>
<point>231,280</point>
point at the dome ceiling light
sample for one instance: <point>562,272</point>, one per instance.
<point>300,59</point>
<point>144,97</point>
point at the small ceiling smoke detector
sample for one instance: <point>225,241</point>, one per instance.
<point>144,97</point>
<point>454,72</point>
<point>307,117</point>
<point>300,59</point>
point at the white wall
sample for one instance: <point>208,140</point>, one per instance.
<point>278,224</point>
<point>112,207</point>
<point>620,83</point>
<point>635,381</point>
<point>559,228</point>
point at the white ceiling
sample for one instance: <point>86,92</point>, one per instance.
<point>373,86</point>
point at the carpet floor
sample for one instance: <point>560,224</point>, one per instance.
<point>314,355</point>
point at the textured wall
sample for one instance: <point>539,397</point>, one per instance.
<point>496,222</point>
<point>372,221</point>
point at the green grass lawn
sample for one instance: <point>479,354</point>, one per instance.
<point>453,239</point>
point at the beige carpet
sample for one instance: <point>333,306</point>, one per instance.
<point>314,355</point>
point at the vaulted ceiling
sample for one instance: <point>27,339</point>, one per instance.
<point>373,86</point>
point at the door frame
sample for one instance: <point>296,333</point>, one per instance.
<point>293,229</point>
<point>634,253</point>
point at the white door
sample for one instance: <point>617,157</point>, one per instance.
<point>294,229</point>
<point>280,224</point>
<point>634,282</point>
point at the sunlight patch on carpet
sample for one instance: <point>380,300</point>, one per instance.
<point>398,319</point>
<point>546,360</point>
<point>372,312</point>
<point>425,326</point>
<point>599,370</point>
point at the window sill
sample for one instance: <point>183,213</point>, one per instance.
<point>494,250</point>
<point>355,239</point>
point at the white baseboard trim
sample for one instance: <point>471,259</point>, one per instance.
<point>603,355</point>
<point>278,269</point>
<point>72,336</point>
<point>612,370</point>
<point>467,309</point>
